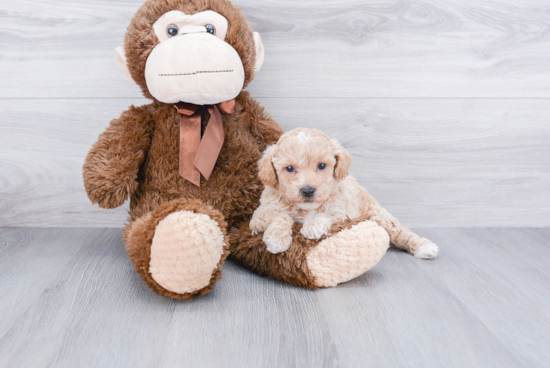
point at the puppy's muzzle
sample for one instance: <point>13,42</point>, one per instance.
<point>307,192</point>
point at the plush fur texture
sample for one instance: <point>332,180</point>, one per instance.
<point>138,157</point>
<point>138,154</point>
<point>139,234</point>
<point>140,39</point>
<point>348,254</point>
<point>185,251</point>
<point>335,262</point>
<point>307,158</point>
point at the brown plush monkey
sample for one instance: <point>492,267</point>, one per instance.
<point>188,161</point>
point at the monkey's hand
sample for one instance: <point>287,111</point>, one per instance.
<point>108,180</point>
<point>111,168</point>
<point>262,126</point>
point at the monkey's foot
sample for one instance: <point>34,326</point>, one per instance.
<point>186,250</point>
<point>348,254</point>
<point>178,249</point>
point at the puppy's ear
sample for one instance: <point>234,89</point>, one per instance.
<point>343,160</point>
<point>266,171</point>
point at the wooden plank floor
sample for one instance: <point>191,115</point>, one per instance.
<point>70,298</point>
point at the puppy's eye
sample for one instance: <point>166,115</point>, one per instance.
<point>289,169</point>
<point>172,30</point>
<point>210,29</point>
<point>322,166</point>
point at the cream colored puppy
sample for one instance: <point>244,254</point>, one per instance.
<point>306,180</point>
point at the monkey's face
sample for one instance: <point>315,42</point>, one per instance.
<point>192,62</point>
<point>189,56</point>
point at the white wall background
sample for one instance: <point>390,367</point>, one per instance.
<point>444,104</point>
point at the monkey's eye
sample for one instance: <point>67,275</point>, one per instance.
<point>210,29</point>
<point>172,30</point>
<point>322,166</point>
<point>289,169</point>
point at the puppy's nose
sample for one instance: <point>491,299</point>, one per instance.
<point>307,192</point>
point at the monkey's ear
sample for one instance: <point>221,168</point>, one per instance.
<point>266,171</point>
<point>120,59</point>
<point>260,53</point>
<point>343,160</point>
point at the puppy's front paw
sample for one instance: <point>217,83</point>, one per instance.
<point>315,229</point>
<point>427,251</point>
<point>257,226</point>
<point>277,241</point>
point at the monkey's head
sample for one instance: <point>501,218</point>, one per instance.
<point>196,51</point>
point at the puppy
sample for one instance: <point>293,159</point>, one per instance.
<point>306,180</point>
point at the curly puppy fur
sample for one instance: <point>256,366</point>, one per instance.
<point>307,160</point>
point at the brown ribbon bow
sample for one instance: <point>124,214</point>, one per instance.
<point>199,155</point>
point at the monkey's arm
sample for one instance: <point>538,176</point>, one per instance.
<point>267,130</point>
<point>261,124</point>
<point>111,167</point>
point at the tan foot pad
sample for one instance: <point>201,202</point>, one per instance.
<point>186,249</point>
<point>348,254</point>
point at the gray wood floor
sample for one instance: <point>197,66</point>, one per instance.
<point>70,298</point>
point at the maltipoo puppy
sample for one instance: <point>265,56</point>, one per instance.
<point>306,180</point>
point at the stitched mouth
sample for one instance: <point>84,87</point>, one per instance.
<point>195,73</point>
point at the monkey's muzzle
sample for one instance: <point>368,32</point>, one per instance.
<point>196,68</point>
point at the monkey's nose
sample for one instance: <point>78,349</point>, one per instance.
<point>307,192</point>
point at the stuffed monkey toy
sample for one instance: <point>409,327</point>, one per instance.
<point>188,160</point>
